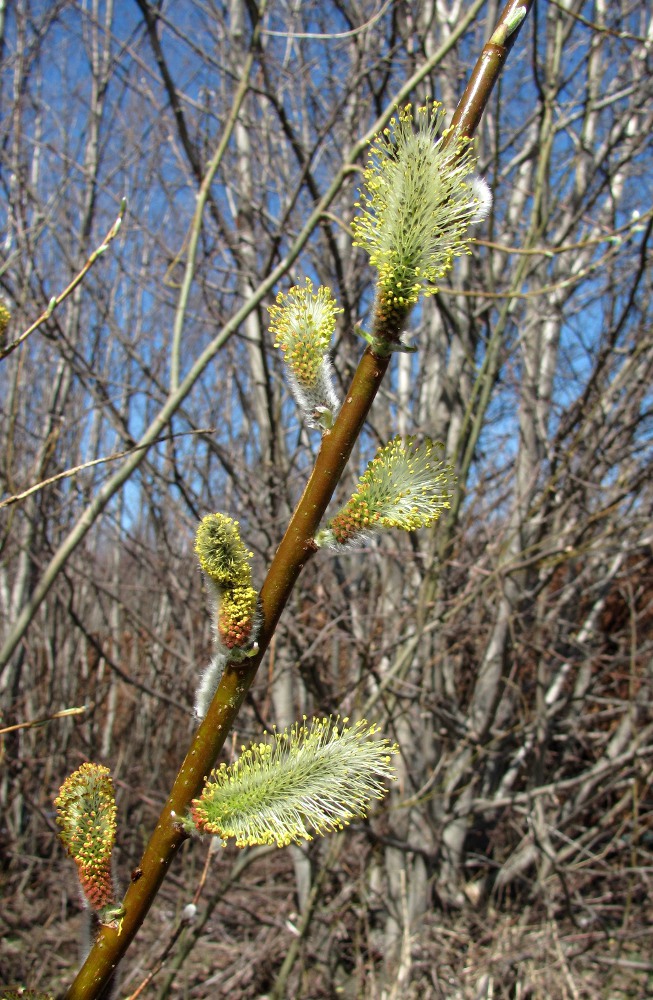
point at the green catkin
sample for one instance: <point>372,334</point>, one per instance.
<point>406,485</point>
<point>415,209</point>
<point>302,323</point>
<point>309,779</point>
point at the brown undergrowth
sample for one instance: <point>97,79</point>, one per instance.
<point>590,939</point>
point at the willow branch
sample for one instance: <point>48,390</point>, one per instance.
<point>295,550</point>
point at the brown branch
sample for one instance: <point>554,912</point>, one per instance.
<point>486,72</point>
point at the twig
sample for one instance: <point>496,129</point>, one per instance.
<point>113,457</point>
<point>34,723</point>
<point>56,300</point>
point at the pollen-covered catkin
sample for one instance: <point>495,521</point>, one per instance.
<point>407,485</point>
<point>303,323</point>
<point>415,209</point>
<point>306,780</point>
<point>236,618</point>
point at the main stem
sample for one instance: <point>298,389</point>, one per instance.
<point>296,548</point>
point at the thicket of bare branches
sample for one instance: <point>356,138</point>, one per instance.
<point>508,651</point>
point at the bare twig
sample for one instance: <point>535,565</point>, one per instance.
<point>56,300</point>
<point>34,723</point>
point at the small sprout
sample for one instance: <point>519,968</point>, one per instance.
<point>510,25</point>
<point>323,416</point>
<point>415,210</point>
<point>86,813</point>
<point>383,347</point>
<point>303,323</point>
<point>113,916</point>
<point>406,485</point>
<point>311,779</point>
